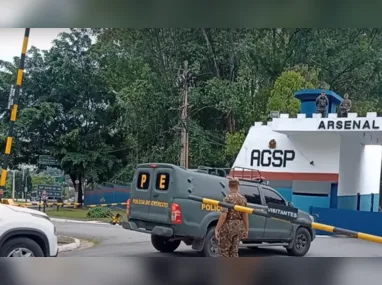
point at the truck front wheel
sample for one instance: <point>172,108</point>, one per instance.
<point>164,244</point>
<point>301,243</point>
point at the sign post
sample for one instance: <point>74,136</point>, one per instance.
<point>59,179</point>
<point>43,198</point>
<point>77,182</point>
<point>47,160</point>
<point>54,191</point>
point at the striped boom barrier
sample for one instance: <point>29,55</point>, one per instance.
<point>13,115</point>
<point>46,204</point>
<point>66,204</point>
<point>314,225</point>
<point>106,205</point>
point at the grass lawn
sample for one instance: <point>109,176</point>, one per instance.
<point>79,214</point>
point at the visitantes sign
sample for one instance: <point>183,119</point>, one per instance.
<point>282,212</point>
<point>274,158</point>
<point>348,125</point>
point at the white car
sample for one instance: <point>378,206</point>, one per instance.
<point>26,233</point>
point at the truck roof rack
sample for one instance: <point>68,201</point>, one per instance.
<point>246,174</point>
<point>258,181</point>
<point>217,171</point>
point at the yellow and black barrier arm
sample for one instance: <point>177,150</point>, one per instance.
<point>303,222</point>
<point>22,204</point>
<point>13,115</point>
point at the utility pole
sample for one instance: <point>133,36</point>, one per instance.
<point>14,185</point>
<point>185,80</point>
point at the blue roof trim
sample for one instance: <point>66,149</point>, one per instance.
<point>309,94</point>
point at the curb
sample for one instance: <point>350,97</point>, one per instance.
<point>70,246</point>
<point>78,222</point>
<point>332,236</point>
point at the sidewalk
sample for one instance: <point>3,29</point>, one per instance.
<point>78,221</point>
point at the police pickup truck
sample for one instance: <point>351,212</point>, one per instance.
<point>159,206</point>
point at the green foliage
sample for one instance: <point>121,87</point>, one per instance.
<point>234,142</point>
<point>282,95</point>
<point>41,179</point>
<point>20,182</point>
<point>99,212</point>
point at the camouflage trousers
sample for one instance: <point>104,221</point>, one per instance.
<point>322,112</point>
<point>229,238</point>
<point>342,113</point>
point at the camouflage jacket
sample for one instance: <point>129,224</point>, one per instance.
<point>322,102</point>
<point>237,199</point>
<point>345,104</point>
<point>234,223</point>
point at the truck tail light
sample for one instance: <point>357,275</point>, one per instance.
<point>128,208</point>
<point>176,214</point>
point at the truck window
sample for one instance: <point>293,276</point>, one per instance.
<point>251,193</point>
<point>272,197</point>
<point>162,181</point>
<point>143,181</point>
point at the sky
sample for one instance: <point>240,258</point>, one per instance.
<point>11,40</point>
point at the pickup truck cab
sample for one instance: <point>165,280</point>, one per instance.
<point>26,233</point>
<point>159,206</point>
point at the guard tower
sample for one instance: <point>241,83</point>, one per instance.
<point>308,100</point>
<point>322,162</point>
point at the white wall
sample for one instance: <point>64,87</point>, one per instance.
<point>360,168</point>
<point>349,170</point>
<point>370,175</point>
<point>322,149</point>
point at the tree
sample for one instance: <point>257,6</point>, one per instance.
<point>41,179</point>
<point>282,95</point>
<point>22,180</point>
<point>234,143</point>
<point>72,115</point>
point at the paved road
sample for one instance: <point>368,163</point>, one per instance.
<point>114,241</point>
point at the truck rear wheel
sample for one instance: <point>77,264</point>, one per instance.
<point>211,246</point>
<point>163,244</point>
<point>301,243</point>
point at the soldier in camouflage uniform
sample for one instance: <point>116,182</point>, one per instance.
<point>344,107</point>
<point>322,103</point>
<point>232,225</point>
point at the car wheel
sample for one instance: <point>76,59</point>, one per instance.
<point>21,247</point>
<point>163,244</point>
<point>211,246</point>
<point>301,243</point>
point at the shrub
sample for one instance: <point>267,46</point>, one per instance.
<point>98,213</point>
